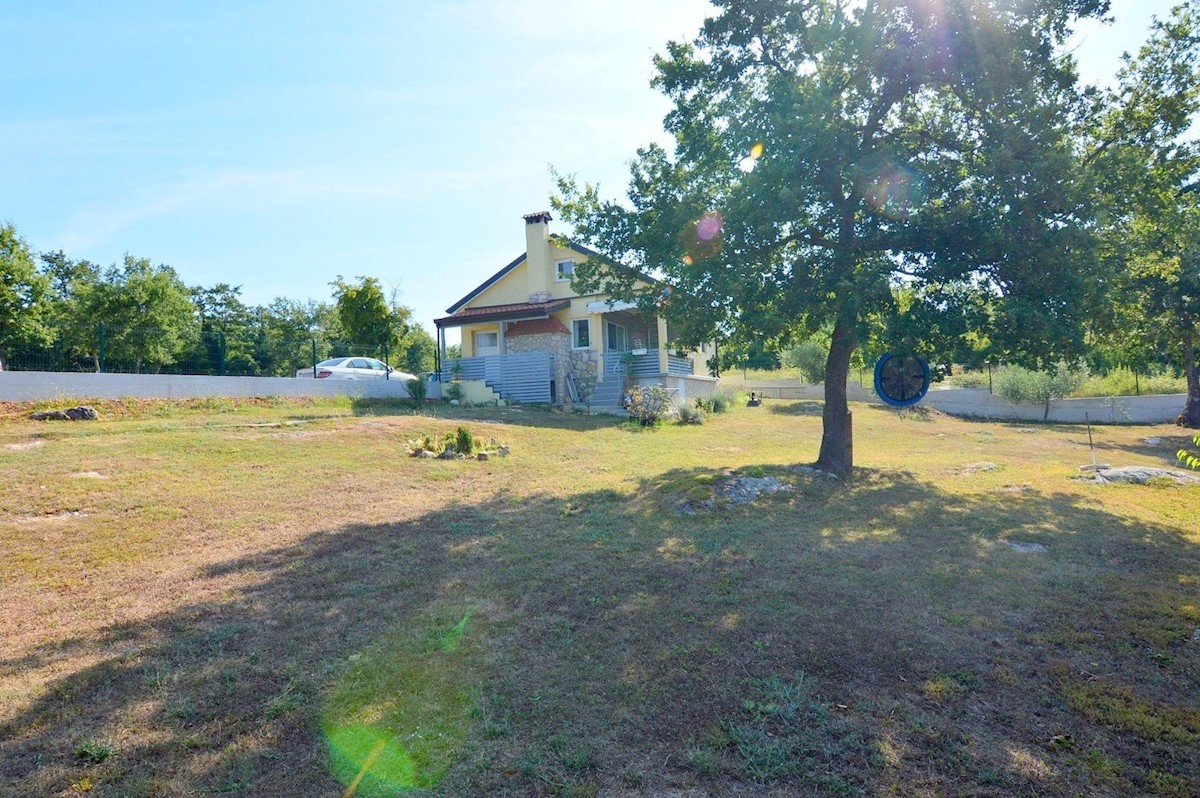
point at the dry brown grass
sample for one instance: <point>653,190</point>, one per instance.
<point>254,599</point>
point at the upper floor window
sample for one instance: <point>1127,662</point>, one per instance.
<point>564,270</point>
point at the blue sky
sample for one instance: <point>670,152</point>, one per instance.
<point>276,145</point>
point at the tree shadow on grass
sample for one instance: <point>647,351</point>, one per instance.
<point>605,642</point>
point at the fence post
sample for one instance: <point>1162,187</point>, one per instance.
<point>100,349</point>
<point>314,357</point>
<point>222,354</point>
<point>387,375</point>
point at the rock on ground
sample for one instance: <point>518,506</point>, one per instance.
<point>81,413</point>
<point>1140,475</point>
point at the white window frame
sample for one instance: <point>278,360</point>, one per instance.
<point>587,326</point>
<point>609,335</point>
<point>559,275</point>
<point>477,333</point>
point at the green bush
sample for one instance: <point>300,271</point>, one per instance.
<point>718,402</point>
<point>1020,385</point>
<point>418,389</point>
<point>809,359</point>
<point>649,404</point>
<point>464,441</point>
<point>691,414</point>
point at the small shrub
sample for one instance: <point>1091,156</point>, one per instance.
<point>454,391</point>
<point>464,442</point>
<point>691,414</point>
<point>93,752</point>
<point>648,405</point>
<point>418,389</point>
<point>718,402</point>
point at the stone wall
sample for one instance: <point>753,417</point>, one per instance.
<point>559,347</point>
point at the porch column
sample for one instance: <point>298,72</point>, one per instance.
<point>500,339</point>
<point>663,366</point>
<point>441,352</point>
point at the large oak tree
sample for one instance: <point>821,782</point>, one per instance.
<point>840,165</point>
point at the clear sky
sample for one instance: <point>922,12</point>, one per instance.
<point>275,145</point>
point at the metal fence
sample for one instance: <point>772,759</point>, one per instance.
<point>117,350</point>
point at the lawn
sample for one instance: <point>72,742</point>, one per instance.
<point>272,599</point>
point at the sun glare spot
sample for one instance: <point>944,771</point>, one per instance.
<point>709,226</point>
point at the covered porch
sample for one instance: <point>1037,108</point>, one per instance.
<point>632,345</point>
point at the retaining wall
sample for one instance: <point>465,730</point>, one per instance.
<point>976,403</point>
<point>38,386</point>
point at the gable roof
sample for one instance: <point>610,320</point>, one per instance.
<point>488,283</point>
<point>517,261</point>
<point>511,312</point>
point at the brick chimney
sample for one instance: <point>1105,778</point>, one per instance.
<point>537,253</point>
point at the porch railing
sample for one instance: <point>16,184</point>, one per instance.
<point>524,377</point>
<point>615,363</point>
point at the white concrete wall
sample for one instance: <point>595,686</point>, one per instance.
<point>1159,409</point>
<point>794,389</point>
<point>31,386</point>
<point>975,403</point>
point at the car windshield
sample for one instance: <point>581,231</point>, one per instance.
<point>337,361</point>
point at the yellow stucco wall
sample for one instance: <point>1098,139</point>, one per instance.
<point>468,336</point>
<point>511,289</point>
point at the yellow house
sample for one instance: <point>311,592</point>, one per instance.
<point>530,337</point>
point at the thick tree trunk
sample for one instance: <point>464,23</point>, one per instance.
<point>1191,409</point>
<point>837,438</point>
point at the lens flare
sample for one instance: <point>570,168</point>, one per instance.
<point>892,189</point>
<point>709,226</point>
<point>373,756</point>
<point>399,716</point>
<point>701,240</point>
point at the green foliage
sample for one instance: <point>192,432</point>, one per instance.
<point>418,389</point>
<point>1021,385</point>
<point>417,351</point>
<point>24,294</point>
<point>368,319</point>
<point>93,752</point>
<point>691,414</point>
<point>809,358</point>
<point>910,174</point>
<point>717,402</point>
<point>649,404</point>
<point>1190,459</point>
<point>464,441</point>
<point>1123,382</point>
<point>1146,164</point>
<point>147,311</point>
<point>971,379</point>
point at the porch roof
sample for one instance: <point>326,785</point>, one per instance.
<point>513,312</point>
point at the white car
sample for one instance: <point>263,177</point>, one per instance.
<point>356,368</point>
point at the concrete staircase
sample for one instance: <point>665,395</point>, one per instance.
<point>608,393</point>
